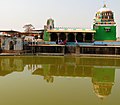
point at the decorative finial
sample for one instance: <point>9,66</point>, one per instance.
<point>104,6</point>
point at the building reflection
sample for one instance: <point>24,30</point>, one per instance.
<point>103,80</point>
<point>102,77</point>
<point>9,65</point>
<point>101,72</point>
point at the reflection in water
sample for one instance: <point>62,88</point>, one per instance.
<point>9,65</point>
<point>103,80</point>
<point>100,70</point>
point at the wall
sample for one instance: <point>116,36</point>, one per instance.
<point>102,35</point>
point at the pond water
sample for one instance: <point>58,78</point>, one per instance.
<point>65,80</point>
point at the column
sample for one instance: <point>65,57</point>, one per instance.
<point>92,37</point>
<point>50,36</point>
<point>58,34</point>
<point>75,36</point>
<point>84,37</point>
<point>66,36</point>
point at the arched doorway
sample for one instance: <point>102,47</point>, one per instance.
<point>88,37</point>
<point>62,36</point>
<point>54,37</point>
<point>79,37</point>
<point>11,45</point>
<point>71,37</point>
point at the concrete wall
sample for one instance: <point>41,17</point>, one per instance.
<point>17,43</point>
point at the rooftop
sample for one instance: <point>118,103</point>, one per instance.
<point>65,30</point>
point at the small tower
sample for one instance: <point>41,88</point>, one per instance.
<point>104,25</point>
<point>50,24</point>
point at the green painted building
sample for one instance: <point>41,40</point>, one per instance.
<point>104,29</point>
<point>104,25</point>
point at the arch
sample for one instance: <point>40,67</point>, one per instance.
<point>88,37</point>
<point>71,37</point>
<point>50,27</point>
<point>53,37</point>
<point>62,36</point>
<point>79,37</point>
<point>107,15</point>
<point>11,45</point>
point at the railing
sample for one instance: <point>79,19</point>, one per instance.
<point>107,43</point>
<point>79,43</point>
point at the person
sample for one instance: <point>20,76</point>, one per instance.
<point>64,42</point>
<point>76,42</point>
<point>60,42</point>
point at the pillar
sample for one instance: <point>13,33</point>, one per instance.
<point>75,36</point>
<point>58,34</point>
<point>92,37</point>
<point>66,36</point>
<point>83,37</point>
<point>49,36</point>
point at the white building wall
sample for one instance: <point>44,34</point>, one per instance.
<point>18,44</point>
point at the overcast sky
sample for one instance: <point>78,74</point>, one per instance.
<point>14,14</point>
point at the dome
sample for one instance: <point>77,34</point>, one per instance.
<point>104,15</point>
<point>104,9</point>
<point>102,90</point>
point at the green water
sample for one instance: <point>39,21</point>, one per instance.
<point>59,81</point>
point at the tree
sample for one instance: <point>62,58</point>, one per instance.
<point>28,28</point>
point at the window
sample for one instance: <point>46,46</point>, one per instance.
<point>107,29</point>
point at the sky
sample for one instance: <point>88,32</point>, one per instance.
<point>66,13</point>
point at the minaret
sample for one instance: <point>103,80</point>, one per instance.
<point>50,24</point>
<point>104,25</point>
